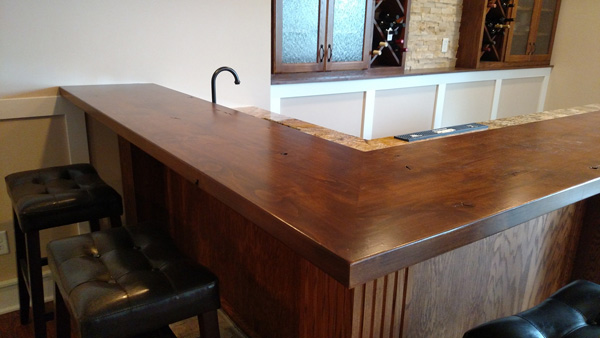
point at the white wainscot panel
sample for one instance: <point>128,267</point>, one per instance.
<point>468,102</point>
<point>519,96</point>
<point>341,112</point>
<point>402,111</point>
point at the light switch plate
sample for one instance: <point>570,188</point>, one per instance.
<point>3,243</point>
<point>445,42</point>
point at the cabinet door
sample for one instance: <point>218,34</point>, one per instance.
<point>521,35</point>
<point>299,35</point>
<point>532,36</point>
<point>348,34</point>
<point>542,46</point>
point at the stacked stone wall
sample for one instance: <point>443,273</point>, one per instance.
<point>430,22</point>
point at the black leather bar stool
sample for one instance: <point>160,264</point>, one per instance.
<point>129,281</point>
<point>47,198</point>
<point>573,312</point>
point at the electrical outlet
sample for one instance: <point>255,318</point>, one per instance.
<point>445,42</point>
<point>3,243</point>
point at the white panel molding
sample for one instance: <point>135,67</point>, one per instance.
<point>282,91</point>
<point>49,106</point>
<point>9,293</point>
<point>543,93</point>
<point>368,115</point>
<point>38,107</point>
<point>438,111</point>
<point>496,100</point>
<point>441,80</point>
<point>23,108</point>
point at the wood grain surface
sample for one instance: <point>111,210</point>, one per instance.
<point>266,288</point>
<point>495,277</point>
<point>588,251</point>
<point>356,215</point>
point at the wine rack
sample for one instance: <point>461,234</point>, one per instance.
<point>390,20</point>
<point>495,30</point>
<point>489,38</point>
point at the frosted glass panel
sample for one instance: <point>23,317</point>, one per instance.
<point>522,23</point>
<point>300,31</point>
<point>542,43</point>
<point>348,30</point>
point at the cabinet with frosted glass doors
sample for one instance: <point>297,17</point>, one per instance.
<point>507,33</point>
<point>532,37</point>
<point>321,35</point>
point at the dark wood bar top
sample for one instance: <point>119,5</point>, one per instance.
<point>357,215</point>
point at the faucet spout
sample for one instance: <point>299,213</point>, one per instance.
<point>214,78</point>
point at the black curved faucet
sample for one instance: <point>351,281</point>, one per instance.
<point>214,78</point>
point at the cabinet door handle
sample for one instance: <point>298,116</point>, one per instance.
<point>322,54</point>
<point>329,52</point>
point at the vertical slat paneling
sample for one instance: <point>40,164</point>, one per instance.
<point>358,311</point>
<point>378,307</point>
<point>368,309</point>
<point>399,300</point>
<point>379,303</point>
<point>325,305</point>
<point>495,277</point>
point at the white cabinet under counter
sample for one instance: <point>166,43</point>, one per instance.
<point>386,106</point>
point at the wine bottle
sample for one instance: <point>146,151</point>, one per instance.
<point>496,26</point>
<point>390,25</point>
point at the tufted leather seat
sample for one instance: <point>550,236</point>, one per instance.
<point>62,195</point>
<point>129,280</point>
<point>573,312</point>
<point>47,198</point>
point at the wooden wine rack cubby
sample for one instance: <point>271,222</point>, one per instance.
<point>394,54</point>
<point>493,43</point>
<point>478,46</point>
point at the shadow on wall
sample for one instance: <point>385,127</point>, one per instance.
<point>33,134</point>
<point>45,92</point>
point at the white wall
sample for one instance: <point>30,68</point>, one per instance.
<point>177,44</point>
<point>575,79</point>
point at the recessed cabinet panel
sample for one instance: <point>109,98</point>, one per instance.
<point>403,111</point>
<point>468,102</point>
<point>519,96</point>
<point>300,31</point>
<point>341,112</point>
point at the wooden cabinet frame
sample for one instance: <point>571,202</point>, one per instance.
<point>533,33</point>
<point>471,37</point>
<point>324,48</point>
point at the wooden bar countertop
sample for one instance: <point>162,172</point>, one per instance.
<point>358,215</point>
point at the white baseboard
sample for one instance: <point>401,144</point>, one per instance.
<point>9,293</point>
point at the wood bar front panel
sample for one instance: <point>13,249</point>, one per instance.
<point>270,291</point>
<point>267,289</point>
<point>495,277</point>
